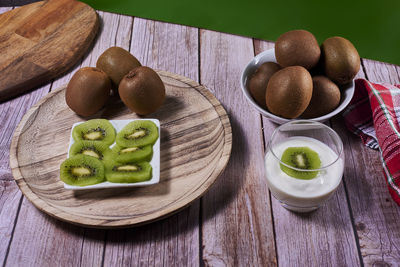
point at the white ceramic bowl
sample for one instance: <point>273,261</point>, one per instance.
<point>347,91</point>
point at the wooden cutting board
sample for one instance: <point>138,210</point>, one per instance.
<point>42,40</point>
<point>195,146</point>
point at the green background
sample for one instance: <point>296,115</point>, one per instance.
<point>372,26</point>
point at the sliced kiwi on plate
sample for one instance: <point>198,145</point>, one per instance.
<point>301,158</point>
<point>82,170</point>
<point>138,133</point>
<point>129,172</point>
<point>133,154</point>
<point>89,148</point>
<point>95,130</point>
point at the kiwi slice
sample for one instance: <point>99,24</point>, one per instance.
<point>95,130</point>
<point>138,133</point>
<point>133,154</point>
<point>108,155</point>
<point>88,148</point>
<point>129,172</point>
<point>301,158</point>
<point>82,170</point>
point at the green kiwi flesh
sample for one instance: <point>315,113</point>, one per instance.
<point>133,154</point>
<point>300,158</point>
<point>88,148</point>
<point>82,170</point>
<point>138,133</point>
<point>129,172</point>
<point>95,130</point>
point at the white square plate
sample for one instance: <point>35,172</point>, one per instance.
<point>155,161</point>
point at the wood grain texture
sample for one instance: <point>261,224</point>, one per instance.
<point>237,220</point>
<point>220,236</point>
<point>314,239</point>
<point>375,215</point>
<point>40,41</point>
<point>11,113</point>
<point>63,242</point>
<point>10,196</point>
<point>91,241</point>
<point>175,240</point>
<point>195,147</point>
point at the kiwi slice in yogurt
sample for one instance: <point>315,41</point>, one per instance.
<point>301,158</point>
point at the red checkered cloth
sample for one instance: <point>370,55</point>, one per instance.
<point>374,115</point>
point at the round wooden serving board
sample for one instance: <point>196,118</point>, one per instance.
<point>41,40</point>
<point>196,142</point>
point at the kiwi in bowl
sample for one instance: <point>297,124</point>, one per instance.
<point>346,91</point>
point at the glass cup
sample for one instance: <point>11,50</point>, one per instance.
<point>306,194</point>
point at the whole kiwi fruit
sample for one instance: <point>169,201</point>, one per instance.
<point>297,48</point>
<point>340,60</point>
<point>325,98</point>
<point>142,90</point>
<point>289,92</point>
<point>88,91</point>
<point>117,62</point>
<point>259,80</point>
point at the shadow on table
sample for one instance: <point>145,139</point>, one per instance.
<point>333,214</point>
<point>224,191</point>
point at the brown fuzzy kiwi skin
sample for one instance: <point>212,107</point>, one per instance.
<point>297,48</point>
<point>340,60</point>
<point>259,80</point>
<point>117,62</point>
<point>289,92</point>
<point>142,90</point>
<point>325,98</point>
<point>87,91</point>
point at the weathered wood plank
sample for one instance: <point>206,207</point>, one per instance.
<point>11,113</point>
<point>86,245</point>
<point>9,193</point>
<point>173,241</point>
<point>375,214</point>
<point>166,46</point>
<point>237,224</point>
<point>170,242</point>
<point>40,240</point>
<point>381,72</point>
<point>315,239</point>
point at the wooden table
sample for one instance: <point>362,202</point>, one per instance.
<point>237,222</point>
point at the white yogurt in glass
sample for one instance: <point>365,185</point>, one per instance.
<point>303,195</point>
